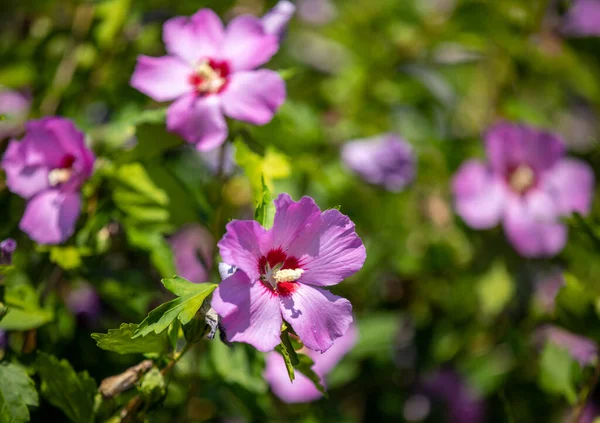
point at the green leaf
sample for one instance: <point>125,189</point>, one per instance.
<point>287,359</point>
<point>17,393</point>
<point>239,364</point>
<point>558,372</point>
<point>286,349</point>
<point>305,367</point>
<point>495,289</point>
<point>24,312</point>
<point>68,258</point>
<point>120,341</point>
<point>154,242</point>
<point>190,298</point>
<point>73,393</point>
<point>265,210</point>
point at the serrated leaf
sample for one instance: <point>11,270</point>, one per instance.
<point>120,341</point>
<point>304,366</point>
<point>558,372</point>
<point>72,392</point>
<point>17,394</point>
<point>184,307</point>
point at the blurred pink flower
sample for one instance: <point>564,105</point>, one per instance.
<point>385,160</point>
<point>528,184</point>
<point>192,249</point>
<point>210,72</point>
<point>582,349</point>
<point>317,12</point>
<point>546,290</point>
<point>14,109</point>
<point>583,19</point>
<point>84,301</point>
<point>7,248</point>
<point>281,272</point>
<point>47,168</point>
<point>302,389</point>
<point>276,20</point>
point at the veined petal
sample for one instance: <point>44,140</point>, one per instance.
<point>317,316</point>
<point>253,96</point>
<point>249,312</point>
<point>161,78</point>
<point>198,120</point>
<point>479,195</point>
<point>247,45</point>
<point>51,216</point>
<point>195,38</point>
<point>292,218</point>
<point>241,246</point>
<point>329,251</point>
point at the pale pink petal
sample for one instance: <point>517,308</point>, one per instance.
<point>51,216</point>
<point>242,246</point>
<point>162,78</point>
<point>22,179</point>
<point>196,38</point>
<point>247,45</point>
<point>198,120</point>
<point>317,316</point>
<point>479,195</point>
<point>300,390</point>
<point>276,20</point>
<point>253,96</point>
<point>291,218</point>
<point>329,250</point>
<point>571,185</point>
<point>249,312</point>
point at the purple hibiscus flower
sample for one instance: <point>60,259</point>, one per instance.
<point>84,302</point>
<point>14,107</point>
<point>583,19</point>
<point>528,184</point>
<point>385,160</point>
<point>582,349</point>
<point>302,389</point>
<point>281,272</point>
<point>47,168</point>
<point>463,405</point>
<point>192,249</point>
<point>276,20</point>
<point>7,248</point>
<point>547,287</point>
<point>211,71</point>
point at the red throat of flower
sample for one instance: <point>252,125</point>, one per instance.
<point>210,77</point>
<point>279,272</point>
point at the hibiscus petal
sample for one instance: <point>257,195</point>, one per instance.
<point>571,185</point>
<point>51,216</point>
<point>510,145</point>
<point>291,218</point>
<point>247,45</point>
<point>478,195</point>
<point>299,391</point>
<point>249,312</point>
<point>326,362</point>
<point>253,96</point>
<point>241,246</point>
<point>22,179</point>
<point>198,120</point>
<point>330,251</point>
<point>161,78</point>
<point>531,227</point>
<point>195,38</point>
<point>317,316</point>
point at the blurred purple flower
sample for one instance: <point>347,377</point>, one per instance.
<point>276,20</point>
<point>302,389</point>
<point>385,160</point>
<point>528,184</point>
<point>84,301</point>
<point>210,71</point>
<point>47,168</point>
<point>546,290</point>
<point>582,349</point>
<point>583,19</point>
<point>462,403</point>
<point>7,248</point>
<point>281,272</point>
<point>317,12</point>
<point>14,108</point>
<point>192,249</point>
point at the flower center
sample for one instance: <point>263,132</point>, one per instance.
<point>279,272</point>
<point>209,77</point>
<point>63,172</point>
<point>521,179</point>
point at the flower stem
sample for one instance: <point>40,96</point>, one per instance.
<point>585,393</point>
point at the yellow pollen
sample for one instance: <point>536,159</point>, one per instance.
<point>212,81</point>
<point>59,176</point>
<point>522,179</point>
<point>287,275</point>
